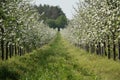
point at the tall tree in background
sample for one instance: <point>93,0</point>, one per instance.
<point>52,16</point>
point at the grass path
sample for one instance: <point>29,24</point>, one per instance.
<point>59,61</point>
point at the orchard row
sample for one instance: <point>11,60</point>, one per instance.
<point>96,27</point>
<point>20,29</point>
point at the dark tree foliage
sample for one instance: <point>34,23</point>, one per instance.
<point>52,16</point>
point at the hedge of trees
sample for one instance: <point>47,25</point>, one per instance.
<point>20,28</point>
<point>96,27</point>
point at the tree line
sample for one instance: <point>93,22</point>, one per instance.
<point>21,31</point>
<point>53,16</point>
<point>96,27</point>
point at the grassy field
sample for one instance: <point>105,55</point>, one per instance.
<point>59,60</point>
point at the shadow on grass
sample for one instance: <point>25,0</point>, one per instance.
<point>7,74</point>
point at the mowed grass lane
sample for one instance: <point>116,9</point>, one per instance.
<point>59,60</point>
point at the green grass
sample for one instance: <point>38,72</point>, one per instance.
<point>59,61</point>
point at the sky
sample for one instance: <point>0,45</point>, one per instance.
<point>65,5</point>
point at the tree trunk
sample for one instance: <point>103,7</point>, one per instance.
<point>97,50</point>
<point>102,50</point>
<point>15,49</point>
<point>114,51</point>
<point>92,48</point>
<point>2,49</point>
<point>119,48</point>
<point>2,44</point>
<point>109,48</point>
<point>114,48</point>
<point>105,48</point>
<point>20,51</point>
<point>87,47</point>
<point>10,50</point>
<point>7,50</point>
